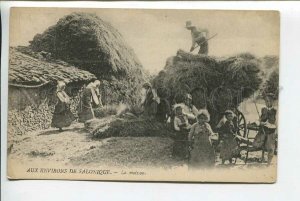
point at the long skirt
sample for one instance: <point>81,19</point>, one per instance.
<point>62,117</point>
<point>85,114</point>
<point>180,147</point>
<point>228,149</point>
<point>202,154</point>
<point>265,139</point>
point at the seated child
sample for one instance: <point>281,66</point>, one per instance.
<point>228,144</point>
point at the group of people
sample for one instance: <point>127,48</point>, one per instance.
<point>194,138</point>
<point>90,98</point>
<point>202,142</point>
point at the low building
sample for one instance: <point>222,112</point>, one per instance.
<point>32,86</point>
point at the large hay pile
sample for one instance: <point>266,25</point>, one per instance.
<point>92,44</point>
<point>217,84</point>
<point>124,121</point>
<point>113,126</point>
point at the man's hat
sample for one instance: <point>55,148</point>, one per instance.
<point>188,24</point>
<point>147,85</point>
<point>269,95</point>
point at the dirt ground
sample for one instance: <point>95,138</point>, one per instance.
<point>75,146</point>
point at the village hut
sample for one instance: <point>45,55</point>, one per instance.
<point>32,84</point>
<point>90,43</point>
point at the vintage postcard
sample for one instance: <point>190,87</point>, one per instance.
<point>143,95</point>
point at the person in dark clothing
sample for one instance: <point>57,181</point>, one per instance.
<point>266,136</point>
<point>149,103</point>
<point>163,107</point>
<point>228,144</point>
<point>181,127</point>
<point>89,98</point>
<point>62,116</point>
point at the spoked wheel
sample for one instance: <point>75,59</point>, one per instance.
<point>241,123</point>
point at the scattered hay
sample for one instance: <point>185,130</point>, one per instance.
<point>127,126</point>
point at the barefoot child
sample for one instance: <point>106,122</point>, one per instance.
<point>228,143</point>
<point>202,154</point>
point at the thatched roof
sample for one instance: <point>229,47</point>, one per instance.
<point>29,71</point>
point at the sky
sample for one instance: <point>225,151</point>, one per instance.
<point>156,35</point>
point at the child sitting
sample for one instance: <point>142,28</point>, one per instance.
<point>228,144</point>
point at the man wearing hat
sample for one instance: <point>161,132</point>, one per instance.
<point>199,37</point>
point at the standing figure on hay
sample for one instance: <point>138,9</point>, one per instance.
<point>89,98</point>
<point>202,154</point>
<point>181,127</point>
<point>199,37</point>
<point>149,102</point>
<point>228,142</point>
<point>266,136</point>
<point>62,116</point>
<point>189,109</point>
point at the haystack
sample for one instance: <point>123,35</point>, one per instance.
<point>272,84</point>
<point>215,83</point>
<point>125,126</point>
<point>270,75</point>
<point>88,42</point>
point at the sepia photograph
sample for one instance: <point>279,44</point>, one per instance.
<point>165,95</point>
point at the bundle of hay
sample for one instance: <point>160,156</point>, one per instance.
<point>216,84</point>
<point>272,84</point>
<point>270,75</point>
<point>86,41</point>
<point>126,126</point>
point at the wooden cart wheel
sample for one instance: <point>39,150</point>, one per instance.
<point>241,123</point>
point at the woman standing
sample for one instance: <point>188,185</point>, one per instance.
<point>62,116</point>
<point>149,102</point>
<point>202,153</point>
<point>88,99</point>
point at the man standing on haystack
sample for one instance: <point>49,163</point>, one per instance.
<point>199,37</point>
